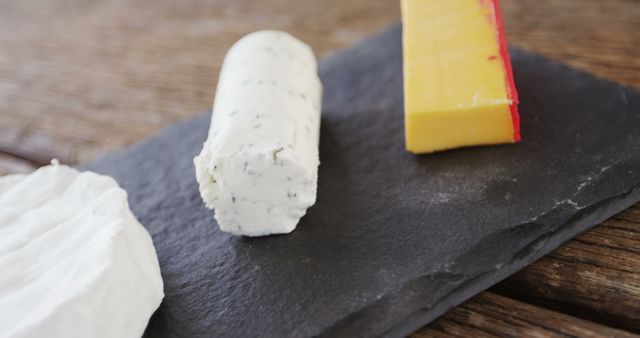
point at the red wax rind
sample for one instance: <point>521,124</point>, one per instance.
<point>506,63</point>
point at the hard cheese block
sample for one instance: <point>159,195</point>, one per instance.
<point>458,82</point>
<point>394,240</point>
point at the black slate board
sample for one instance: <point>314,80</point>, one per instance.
<point>394,240</point>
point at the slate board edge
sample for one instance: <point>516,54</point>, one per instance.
<point>592,216</point>
<point>578,222</point>
<point>585,221</point>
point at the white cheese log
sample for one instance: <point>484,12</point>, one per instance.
<point>74,261</point>
<point>259,166</point>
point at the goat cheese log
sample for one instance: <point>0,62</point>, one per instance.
<point>259,166</point>
<point>74,261</point>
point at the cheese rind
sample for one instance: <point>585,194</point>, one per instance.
<point>457,76</point>
<point>258,167</point>
<point>75,261</point>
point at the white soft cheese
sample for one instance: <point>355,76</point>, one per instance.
<point>74,261</point>
<point>259,166</point>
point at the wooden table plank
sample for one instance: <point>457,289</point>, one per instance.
<point>93,76</point>
<point>596,276</point>
<point>80,78</point>
<point>12,165</point>
<point>600,37</point>
<point>492,315</point>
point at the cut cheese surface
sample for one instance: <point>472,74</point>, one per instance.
<point>458,83</point>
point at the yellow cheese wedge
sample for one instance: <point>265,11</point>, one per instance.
<point>458,84</point>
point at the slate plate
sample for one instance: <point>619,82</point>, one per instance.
<point>394,240</point>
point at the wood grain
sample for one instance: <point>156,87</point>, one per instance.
<point>595,276</point>
<point>492,315</point>
<point>79,78</point>
<point>601,37</point>
<point>12,165</point>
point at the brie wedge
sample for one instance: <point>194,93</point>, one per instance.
<point>259,166</point>
<point>74,261</point>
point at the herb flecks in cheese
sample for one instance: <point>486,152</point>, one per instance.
<point>74,261</point>
<point>263,140</point>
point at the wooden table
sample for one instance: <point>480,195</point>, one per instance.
<point>79,78</point>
